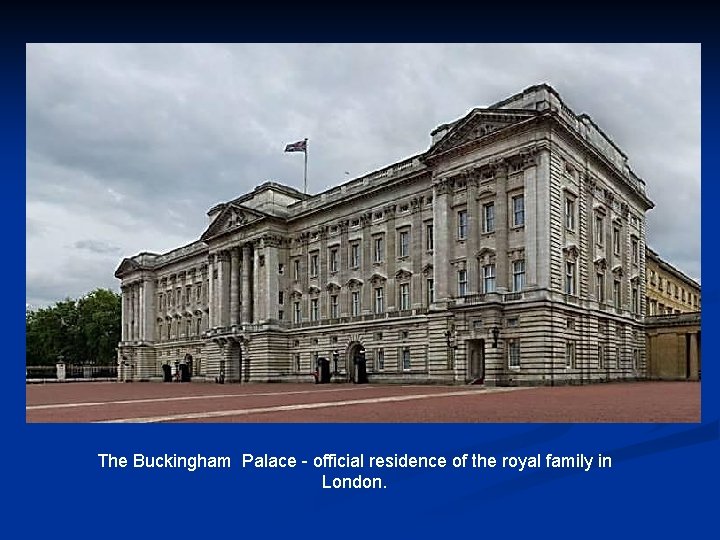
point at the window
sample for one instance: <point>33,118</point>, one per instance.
<point>297,317</point>
<point>514,353</point>
<point>462,224</point>
<point>296,269</point>
<point>430,291</point>
<point>616,294</point>
<point>281,315</point>
<point>355,303</point>
<point>599,230</point>
<point>404,296</point>
<point>380,359</point>
<point>635,251</point>
<point>281,268</point>
<point>188,294</point>
<point>636,359</point>
<point>462,282</point>
<point>406,359</point>
<point>297,362</point>
<point>518,275</point>
<point>601,356</point>
<point>334,306</point>
<point>616,241</point>
<point>570,278</point>
<point>314,310</point>
<point>334,260</point>
<point>489,217</point>
<point>570,354</point>
<point>379,304</point>
<point>314,264</point>
<point>281,297</point>
<point>570,213</point>
<point>518,204</point>
<point>635,299</point>
<point>600,286</point>
<point>429,242</point>
<point>379,249</point>
<point>489,278</point>
<point>355,255</point>
<point>404,243</point>
<point>198,326</point>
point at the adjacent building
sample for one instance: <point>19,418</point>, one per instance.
<point>669,291</point>
<point>511,251</point>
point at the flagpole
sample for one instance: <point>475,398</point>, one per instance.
<point>305,166</point>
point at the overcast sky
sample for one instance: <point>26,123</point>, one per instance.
<point>128,146</point>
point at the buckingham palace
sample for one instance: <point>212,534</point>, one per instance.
<point>510,252</point>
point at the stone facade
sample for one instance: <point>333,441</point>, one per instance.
<point>668,290</point>
<point>511,252</point>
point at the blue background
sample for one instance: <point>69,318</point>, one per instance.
<point>664,477</point>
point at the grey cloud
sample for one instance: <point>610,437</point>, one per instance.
<point>135,142</point>
<point>96,246</point>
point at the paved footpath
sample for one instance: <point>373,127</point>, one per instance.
<point>198,402</point>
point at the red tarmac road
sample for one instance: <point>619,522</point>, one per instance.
<point>197,402</point>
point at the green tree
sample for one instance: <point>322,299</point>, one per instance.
<point>85,331</point>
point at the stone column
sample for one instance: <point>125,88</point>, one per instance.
<point>502,222</point>
<point>149,308</point>
<point>212,302</point>
<point>234,279</point>
<point>247,257</point>
<point>136,311</point>
<point>390,257</point>
<point>123,313</point>
<point>257,300</point>
<point>343,308</point>
<point>471,244</point>
<point>366,267</point>
<point>444,231</point>
<point>271,279</point>
<point>416,252</point>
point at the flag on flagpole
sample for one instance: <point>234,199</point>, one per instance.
<point>300,146</point>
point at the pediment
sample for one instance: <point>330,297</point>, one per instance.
<point>127,266</point>
<point>354,282</point>
<point>314,289</point>
<point>618,271</point>
<point>403,274</point>
<point>230,218</point>
<point>332,286</point>
<point>479,123</point>
<point>376,279</point>
<point>427,269</point>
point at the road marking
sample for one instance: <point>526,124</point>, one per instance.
<point>301,406</point>
<point>183,398</point>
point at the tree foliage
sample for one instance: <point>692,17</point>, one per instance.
<point>83,331</point>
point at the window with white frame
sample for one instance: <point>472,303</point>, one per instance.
<point>570,357</point>
<point>570,278</point>
<point>569,213</point>
<point>404,243</point>
<point>518,206</point>
<point>314,310</point>
<point>297,314</point>
<point>314,264</point>
<point>617,295</point>
<point>489,278</point>
<point>635,251</point>
<point>379,251</point>
<point>355,255</point>
<point>513,353</point>
<point>518,268</point>
<point>406,358</point>
<point>296,269</point>
<point>635,299</point>
<point>379,300</point>
<point>462,224</point>
<point>600,286</point>
<point>380,359</point>
<point>430,291</point>
<point>334,308</point>
<point>355,303</point>
<point>601,356</point>
<point>429,241</point>
<point>489,217</point>
<point>636,359</point>
<point>462,282</point>
<point>599,230</point>
<point>616,240</point>
<point>404,296</point>
<point>334,260</point>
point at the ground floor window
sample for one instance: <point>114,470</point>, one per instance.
<point>514,353</point>
<point>406,359</point>
<point>570,354</point>
<point>380,360</point>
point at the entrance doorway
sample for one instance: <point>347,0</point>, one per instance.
<point>476,360</point>
<point>353,355</point>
